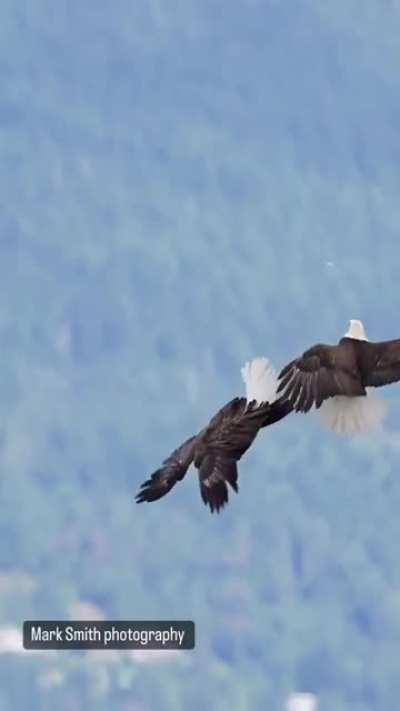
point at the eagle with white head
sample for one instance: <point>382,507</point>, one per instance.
<point>337,378</point>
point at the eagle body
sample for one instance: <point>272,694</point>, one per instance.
<point>217,448</point>
<point>336,379</point>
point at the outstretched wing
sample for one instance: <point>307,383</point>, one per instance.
<point>173,469</point>
<point>381,363</point>
<point>225,440</point>
<point>320,373</point>
<point>277,411</point>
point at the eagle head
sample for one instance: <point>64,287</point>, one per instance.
<point>356,330</point>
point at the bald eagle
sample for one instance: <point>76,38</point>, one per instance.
<point>217,448</point>
<point>337,378</point>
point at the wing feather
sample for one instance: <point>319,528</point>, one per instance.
<point>383,363</point>
<point>296,391</point>
<point>173,469</point>
<point>304,394</point>
<point>317,375</point>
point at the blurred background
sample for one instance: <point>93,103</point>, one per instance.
<point>186,184</point>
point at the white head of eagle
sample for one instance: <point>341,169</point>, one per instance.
<point>356,330</point>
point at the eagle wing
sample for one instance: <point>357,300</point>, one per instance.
<point>173,469</point>
<point>318,374</point>
<point>228,436</point>
<point>382,363</point>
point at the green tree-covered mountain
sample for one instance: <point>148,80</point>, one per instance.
<point>185,185</point>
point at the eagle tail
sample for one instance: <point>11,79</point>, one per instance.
<point>215,472</point>
<point>353,415</point>
<point>261,380</point>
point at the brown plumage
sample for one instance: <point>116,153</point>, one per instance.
<point>347,368</point>
<point>215,451</point>
<point>341,375</point>
<point>321,372</point>
<point>379,363</point>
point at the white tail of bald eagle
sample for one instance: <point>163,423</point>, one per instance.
<point>261,380</point>
<point>353,415</point>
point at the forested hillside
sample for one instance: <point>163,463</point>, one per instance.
<point>184,185</point>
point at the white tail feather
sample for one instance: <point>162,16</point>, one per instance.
<point>353,415</point>
<point>261,380</point>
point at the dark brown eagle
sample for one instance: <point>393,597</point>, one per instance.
<point>217,448</point>
<point>337,377</point>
